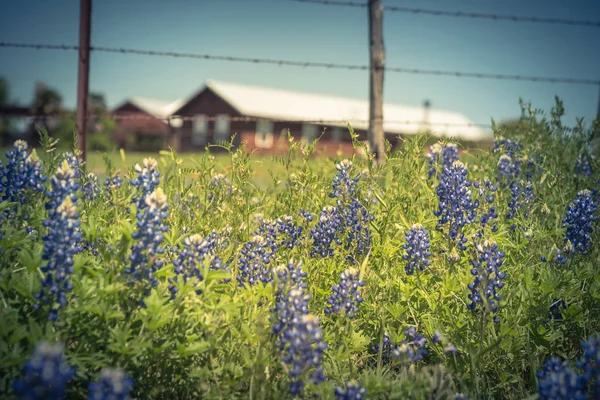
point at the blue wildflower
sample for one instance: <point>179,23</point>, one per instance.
<point>293,234</point>
<point>303,351</point>
<point>488,279</point>
<point>413,348</point>
<point>507,169</point>
<point>46,374</point>
<point>456,206</point>
<point>291,298</point>
<point>148,237</point>
<point>113,182</point>
<point>325,233</point>
<point>507,146</point>
<point>147,180</point>
<point>254,261</point>
<point>22,173</point>
<point>386,349</point>
<point>344,186</point>
<point>189,261</point>
<point>352,391</point>
<point>590,363</point>
<point>114,384</point>
<point>444,155</point>
<point>578,222</point>
<point>582,166</point>
<point>63,240</point>
<point>417,248</point>
<point>556,308</point>
<point>557,381</point>
<point>91,188</point>
<point>521,197</point>
<point>345,295</point>
<point>437,337</point>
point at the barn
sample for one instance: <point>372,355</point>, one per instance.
<point>142,124</point>
<point>262,116</point>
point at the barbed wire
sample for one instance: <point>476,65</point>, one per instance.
<point>463,14</point>
<point>305,64</point>
<point>171,119</point>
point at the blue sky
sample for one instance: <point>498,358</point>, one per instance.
<point>311,32</point>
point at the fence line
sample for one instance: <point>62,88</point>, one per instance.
<point>305,64</point>
<point>126,117</point>
<point>462,14</point>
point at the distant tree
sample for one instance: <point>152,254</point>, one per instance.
<point>100,127</point>
<point>47,103</point>
<point>4,92</point>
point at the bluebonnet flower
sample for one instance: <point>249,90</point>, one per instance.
<point>147,180</point>
<point>343,186</point>
<point>74,162</point>
<point>448,348</point>
<point>352,391</point>
<point>507,169</point>
<point>22,173</point>
<point>521,197</point>
<point>46,374</point>
<point>346,223</point>
<point>280,233</point>
<point>293,233</point>
<point>254,261</point>
<point>220,184</point>
<point>557,381</point>
<point>190,259</point>
<point>113,182</point>
<point>63,240</point>
<point>386,349</point>
<point>507,146</point>
<point>555,309</point>
<point>413,348</point>
<point>148,237</point>
<point>578,222</point>
<point>582,166</point>
<point>325,233</point>
<point>345,295</point>
<point>447,154</point>
<point>291,298</point>
<point>357,219</point>
<point>91,188</point>
<point>590,363</point>
<point>307,215</point>
<point>488,279</point>
<point>456,207</point>
<point>303,351</point>
<point>417,248</point>
<point>290,302</point>
<point>559,257</point>
<point>114,384</point>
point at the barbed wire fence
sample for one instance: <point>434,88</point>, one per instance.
<point>330,65</point>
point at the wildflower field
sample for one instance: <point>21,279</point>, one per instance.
<point>434,276</point>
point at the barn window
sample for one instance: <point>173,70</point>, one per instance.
<point>264,133</point>
<point>222,128</point>
<point>336,134</point>
<point>199,129</point>
<point>309,132</point>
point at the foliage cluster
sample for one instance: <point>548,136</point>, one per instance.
<point>424,278</point>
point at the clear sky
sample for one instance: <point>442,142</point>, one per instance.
<point>311,32</point>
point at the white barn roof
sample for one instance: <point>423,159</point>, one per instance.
<point>286,105</point>
<point>157,108</point>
